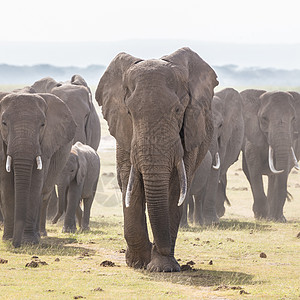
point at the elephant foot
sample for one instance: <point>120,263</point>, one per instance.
<point>280,219</point>
<point>30,239</point>
<point>138,259</point>
<point>184,225</point>
<point>221,211</point>
<point>84,229</point>
<point>211,220</point>
<point>67,229</point>
<point>161,263</point>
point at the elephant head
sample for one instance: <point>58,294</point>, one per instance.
<point>270,123</point>
<point>159,111</point>
<point>33,127</point>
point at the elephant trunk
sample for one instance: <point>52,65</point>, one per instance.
<point>22,178</point>
<point>157,198</point>
<point>280,154</point>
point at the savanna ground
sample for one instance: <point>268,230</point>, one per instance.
<point>239,258</point>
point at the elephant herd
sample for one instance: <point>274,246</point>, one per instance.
<point>175,137</point>
<point>39,125</point>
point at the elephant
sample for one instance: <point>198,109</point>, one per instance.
<point>77,95</point>
<point>78,181</point>
<point>224,149</point>
<point>193,204</point>
<point>159,111</point>
<point>37,132</point>
<point>271,132</point>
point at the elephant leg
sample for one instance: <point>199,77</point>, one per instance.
<point>159,262</point>
<point>52,206</point>
<point>73,200</point>
<point>79,215</point>
<point>260,204</point>
<point>43,214</point>
<point>8,208</point>
<point>191,208</point>
<point>277,193</point>
<point>138,253</point>
<point>183,220</point>
<point>221,196</point>
<point>210,201</point>
<point>198,212</point>
<point>87,205</point>
<point>33,225</point>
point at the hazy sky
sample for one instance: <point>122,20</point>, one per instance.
<point>245,21</point>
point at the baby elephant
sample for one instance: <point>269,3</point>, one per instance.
<point>77,181</point>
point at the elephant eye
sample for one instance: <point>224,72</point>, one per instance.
<point>4,123</point>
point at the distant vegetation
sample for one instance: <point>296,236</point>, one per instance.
<point>228,75</point>
<point>10,74</point>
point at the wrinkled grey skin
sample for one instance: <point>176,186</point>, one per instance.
<point>78,181</point>
<point>31,125</point>
<point>159,111</point>
<point>227,141</point>
<point>193,204</point>
<point>77,95</point>
<point>270,120</point>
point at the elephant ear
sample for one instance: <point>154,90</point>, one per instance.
<point>44,85</point>
<point>60,126</point>
<point>201,81</point>
<point>2,154</point>
<point>251,106</point>
<point>110,94</point>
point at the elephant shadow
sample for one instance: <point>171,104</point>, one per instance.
<point>204,278</point>
<point>231,224</point>
<point>53,246</point>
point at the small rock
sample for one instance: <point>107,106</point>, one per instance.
<point>57,259</point>
<point>191,263</point>
<point>210,263</point>
<point>263,255</point>
<point>3,261</point>
<point>32,264</point>
<point>186,268</point>
<point>122,251</point>
<point>243,292</point>
<point>98,289</point>
<point>230,240</point>
<point>78,297</point>
<point>107,263</point>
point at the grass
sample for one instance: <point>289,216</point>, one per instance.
<point>227,262</point>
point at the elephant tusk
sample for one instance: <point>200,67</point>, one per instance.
<point>296,166</point>
<point>182,181</point>
<point>129,186</point>
<point>218,162</point>
<point>271,163</point>
<point>8,163</point>
<point>39,163</point>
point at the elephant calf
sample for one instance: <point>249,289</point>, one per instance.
<point>77,181</point>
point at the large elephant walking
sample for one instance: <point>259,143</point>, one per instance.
<point>37,132</point>
<point>270,135</point>
<point>159,111</point>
